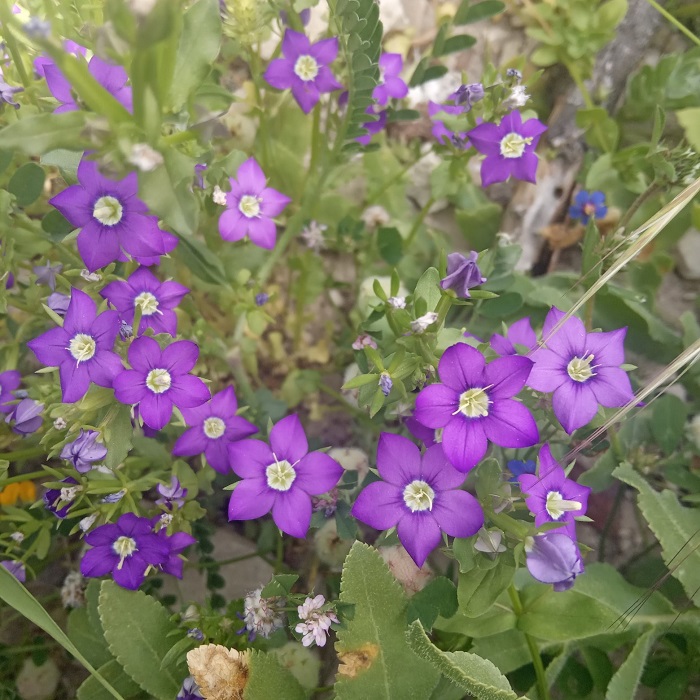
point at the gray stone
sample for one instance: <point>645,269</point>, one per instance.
<point>688,255</point>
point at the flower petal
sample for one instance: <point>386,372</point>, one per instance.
<point>379,505</point>
<point>462,367</point>
<point>250,499</point>
<point>510,424</point>
<point>435,405</point>
<point>437,470</point>
<point>574,405</point>
<point>280,73</point>
<point>398,459</point>
<point>288,439</point>
<point>155,409</point>
<point>188,391</point>
<point>263,233</point>
<point>458,513</point>
<point>325,51</point>
<point>250,458</point>
<point>180,357</point>
<point>507,375</point>
<point>464,442</point>
<point>291,512</point>
<point>317,473</point>
<point>611,387</point>
<point>192,442</point>
<point>419,534</point>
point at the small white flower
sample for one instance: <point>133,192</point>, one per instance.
<point>375,216</point>
<point>86,523</point>
<point>165,520</point>
<point>316,623</point>
<point>397,302</point>
<point>420,324</point>
<point>262,615</point>
<point>312,235</point>
<point>73,590</point>
<point>219,196</point>
<point>144,157</point>
<point>90,276</point>
<point>60,423</point>
<point>518,98</point>
<point>17,537</point>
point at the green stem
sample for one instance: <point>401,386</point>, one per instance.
<point>23,454</point>
<point>588,313</point>
<point>417,223</point>
<point>223,562</point>
<point>648,193</point>
<point>11,43</point>
<point>180,137</point>
<point>678,25</point>
<point>543,690</point>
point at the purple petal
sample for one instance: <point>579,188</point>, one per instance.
<point>437,470</point>
<point>317,473</point>
<point>192,442</point>
<point>280,73</point>
<point>250,499</point>
<point>104,367</point>
<point>419,534</point>
<point>554,558</point>
<point>291,512</point>
<point>50,347</point>
<point>548,372</point>
<point>435,405</point>
<point>250,458</point>
<point>75,204</point>
<point>216,453</point>
<point>324,51</point>
<point>238,428</point>
<point>494,169</point>
<point>273,202</point>
<point>97,245</point>
<point>262,232</point>
<point>461,367</point>
<point>502,346</point>
<point>398,459</point>
<point>464,442</point>
<point>569,340</point>
<point>232,225</point>
<point>58,84</point>
<point>510,424</point>
<point>379,505</point>
<point>251,177</point>
<point>521,333</point>
<point>325,81</point>
<point>180,357</point>
<point>129,387</point>
<point>288,440</point>
<point>81,313</point>
<point>225,403</point>
<point>532,128</point>
<point>458,513</point>
<point>188,391</point>
<point>306,94</point>
<point>487,138</point>
<point>155,409</point>
<point>75,381</point>
<point>144,354</point>
<point>390,64</point>
<point>611,387</point>
<point>294,44</point>
<point>525,167</point>
<point>507,375</point>
<point>607,348</point>
<point>98,561</point>
<point>574,405</point>
<point>109,75</point>
<point>132,572</point>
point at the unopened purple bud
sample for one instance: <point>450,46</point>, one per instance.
<point>195,633</point>
<point>262,298</point>
<point>26,416</point>
<point>462,274</point>
<point>515,74</point>
<point>554,558</point>
<point>468,94</point>
<point>58,303</point>
<point>198,177</point>
<point>385,383</point>
<point>126,330</point>
<point>84,451</point>
<point>174,493</point>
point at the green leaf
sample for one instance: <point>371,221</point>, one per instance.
<point>468,13</point>
<point>113,673</point>
<point>438,598</point>
<point>470,672</point>
<point>623,685</point>
<point>19,598</point>
<point>674,527</point>
<point>137,629</point>
<point>27,184</point>
<point>602,131</point>
<point>373,643</point>
<point>268,679</point>
<point>544,56</point>
<point>117,431</point>
<point>281,585</point>
<point>669,415</point>
<point>428,288</point>
<point>198,49</point>
<point>390,244</point>
<point>88,639</point>
<point>40,133</point>
<point>611,13</point>
<point>460,42</point>
<point>200,260</point>
<point>478,589</point>
<point>507,650</point>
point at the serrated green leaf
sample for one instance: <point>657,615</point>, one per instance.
<point>676,528</point>
<point>267,679</point>
<point>114,674</point>
<point>37,134</point>
<point>624,683</point>
<point>669,416</point>
<point>377,633</point>
<point>88,639</point>
<point>470,672</point>
<point>137,629</point>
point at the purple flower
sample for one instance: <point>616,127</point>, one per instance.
<point>519,333</point>
<point>176,544</point>
<point>551,497</point>
<point>175,493</point>
<point>421,496</point>
<point>160,379</point>
<point>468,95</point>
<point>59,501</point>
<point>391,85</point>
<point>125,549</point>
<point>474,405</point>
<point>440,131</point>
<point>84,451</point>
<point>554,558</point>
<point>111,77</point>
<point>428,436</point>
<point>40,62</point>
<point>198,176</point>
<point>26,416</point>
<point>462,274</point>
<point>16,568</point>
<point>304,68</point>
<point>280,477</point>
<point>215,426</point>
<point>587,205</point>
<point>262,298</point>
<point>385,383</point>
<point>126,331</point>
<point>373,127</point>
<point>251,207</point>
<point>58,302</point>
<point>582,369</point>
<point>8,92</point>
<point>9,381</point>
<point>156,300</point>
<point>81,348</point>
<point>509,148</point>
<point>190,690</point>
<point>114,222</point>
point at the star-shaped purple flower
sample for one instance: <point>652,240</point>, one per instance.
<point>551,497</point>
<point>391,85</point>
<point>474,405</point>
<point>176,542</point>
<point>421,496</point>
<point>509,148</point>
<point>111,77</point>
<point>462,274</point>
<point>582,369</point>
<point>215,426</point>
<point>114,222</point>
<point>519,333</point>
<point>304,68</point>
<point>160,379</point>
<point>280,477</point>
<point>84,451</point>
<point>125,549</point>
<point>554,558</point>
<point>587,205</point>
<point>81,348</point>
<point>156,300</point>
<point>9,381</point>
<point>251,206</point>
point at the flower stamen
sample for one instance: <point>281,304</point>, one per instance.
<point>124,547</point>
<point>513,145</point>
<point>556,506</point>
<point>579,369</point>
<point>419,496</point>
<point>82,347</point>
<point>158,380</point>
<point>214,427</point>
<point>306,67</point>
<point>148,303</point>
<point>474,403</point>
<point>280,474</point>
<point>108,210</point>
<point>249,206</point>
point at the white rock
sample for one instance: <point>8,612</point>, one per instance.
<point>37,682</point>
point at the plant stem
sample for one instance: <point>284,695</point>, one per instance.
<point>678,25</point>
<point>542,689</point>
<point>419,220</point>
<point>11,43</point>
<point>609,521</point>
<point>224,562</point>
<point>648,193</point>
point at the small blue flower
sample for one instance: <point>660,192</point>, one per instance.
<point>517,467</point>
<point>587,204</point>
<point>262,298</point>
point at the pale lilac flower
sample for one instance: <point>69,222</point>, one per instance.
<point>554,558</point>
<point>251,207</point>
<point>440,130</point>
<point>262,616</point>
<point>364,341</point>
<point>189,690</point>
<point>420,496</point>
<point>16,568</point>
<point>175,493</point>
<point>390,85</point>
<point>397,302</point>
<point>37,28</point>
<point>375,216</point>
<point>519,333</point>
<point>304,68</point>
<point>262,298</point>
<point>489,541</point>
<point>8,92</point>
<point>114,497</point>
<point>84,451</point>
<point>372,126</point>
<point>385,383</point>
<point>316,622</point>
<point>58,302</point>
<point>582,369</point>
<point>280,477</point>
<point>26,416</point>
<point>312,235</point>
<point>462,274</point>
<point>468,95</point>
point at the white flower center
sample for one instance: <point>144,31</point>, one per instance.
<point>158,380</point>
<point>418,496</point>
<point>82,347</point>
<point>214,427</point>
<point>513,145</point>
<point>147,302</point>
<point>474,403</point>
<point>557,506</point>
<point>124,547</point>
<point>280,475</point>
<point>579,369</point>
<point>249,206</point>
<point>108,210</point>
<point>306,67</point>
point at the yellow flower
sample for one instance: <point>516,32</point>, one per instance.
<point>24,491</point>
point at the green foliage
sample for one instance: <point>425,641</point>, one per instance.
<point>41,133</point>
<point>376,633</point>
<point>623,685</point>
<point>268,679</point>
<point>669,415</point>
<point>117,432</point>
<point>390,245</point>
<point>478,589</point>
<point>137,629</point>
<point>113,673</point>
<point>27,184</point>
<point>469,12</point>
<point>473,674</point>
<point>675,527</point>
<point>438,598</point>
